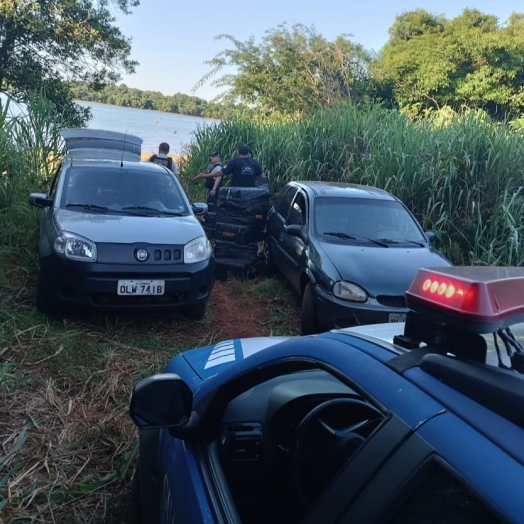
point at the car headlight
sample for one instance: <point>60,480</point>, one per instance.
<point>75,247</point>
<point>197,250</point>
<point>349,291</point>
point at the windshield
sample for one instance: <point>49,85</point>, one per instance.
<point>123,191</point>
<point>358,219</point>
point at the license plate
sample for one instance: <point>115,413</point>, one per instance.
<point>397,317</point>
<point>141,287</point>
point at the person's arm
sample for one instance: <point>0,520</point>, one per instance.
<point>259,168</point>
<point>200,176</point>
<point>218,179</point>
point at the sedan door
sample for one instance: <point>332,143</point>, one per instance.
<point>294,246</point>
<point>276,225</point>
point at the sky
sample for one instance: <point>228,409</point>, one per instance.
<point>172,39</point>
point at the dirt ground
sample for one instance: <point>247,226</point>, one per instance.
<point>238,315</point>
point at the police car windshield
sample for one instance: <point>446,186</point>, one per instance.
<point>119,190</point>
<point>359,219</point>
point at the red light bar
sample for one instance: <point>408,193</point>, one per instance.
<point>477,298</point>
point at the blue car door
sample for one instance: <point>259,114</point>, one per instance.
<point>183,495</point>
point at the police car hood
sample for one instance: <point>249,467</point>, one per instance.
<point>129,229</point>
<point>211,360</point>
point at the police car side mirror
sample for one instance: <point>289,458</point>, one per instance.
<point>40,200</point>
<point>199,208</point>
<point>432,238</point>
<point>161,401</point>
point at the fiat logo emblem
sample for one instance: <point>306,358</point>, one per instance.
<point>141,255</point>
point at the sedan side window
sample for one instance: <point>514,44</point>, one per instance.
<point>284,202</point>
<point>297,213</point>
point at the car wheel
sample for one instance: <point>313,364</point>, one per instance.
<point>308,317</point>
<point>198,311</point>
<point>44,303</point>
<point>143,502</point>
<point>270,268</point>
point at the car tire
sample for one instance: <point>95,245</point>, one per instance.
<point>144,500</point>
<point>198,311</point>
<point>270,268</point>
<point>308,316</point>
<point>44,303</point>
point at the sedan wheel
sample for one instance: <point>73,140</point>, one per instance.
<point>309,320</point>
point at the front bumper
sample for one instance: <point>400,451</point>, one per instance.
<point>94,285</point>
<point>333,312</point>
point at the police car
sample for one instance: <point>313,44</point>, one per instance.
<point>421,422</point>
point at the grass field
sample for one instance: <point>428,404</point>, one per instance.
<point>68,447</point>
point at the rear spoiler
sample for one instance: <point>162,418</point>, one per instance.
<point>100,144</point>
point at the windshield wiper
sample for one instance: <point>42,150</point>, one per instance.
<point>339,234</point>
<point>90,206</point>
<point>417,243</point>
<point>154,210</point>
<point>356,237</point>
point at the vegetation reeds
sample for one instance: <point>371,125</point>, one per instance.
<point>66,441</point>
<point>461,175</point>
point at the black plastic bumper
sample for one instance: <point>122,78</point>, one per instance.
<point>335,313</point>
<point>94,285</point>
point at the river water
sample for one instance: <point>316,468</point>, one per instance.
<point>152,126</point>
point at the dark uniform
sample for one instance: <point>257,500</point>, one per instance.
<point>210,182</point>
<point>244,171</point>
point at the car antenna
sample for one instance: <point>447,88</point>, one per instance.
<point>123,149</point>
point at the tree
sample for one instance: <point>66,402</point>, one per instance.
<point>469,62</point>
<point>292,70</point>
<point>44,44</point>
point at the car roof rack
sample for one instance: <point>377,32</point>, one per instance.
<point>98,144</point>
<point>449,310</point>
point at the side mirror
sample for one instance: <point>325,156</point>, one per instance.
<point>161,401</point>
<point>40,200</point>
<point>297,231</point>
<point>432,238</point>
<point>199,208</point>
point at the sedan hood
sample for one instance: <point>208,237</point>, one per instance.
<point>210,360</point>
<point>119,229</point>
<point>381,270</point>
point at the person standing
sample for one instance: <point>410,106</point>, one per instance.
<point>163,159</point>
<point>244,170</point>
<point>213,184</point>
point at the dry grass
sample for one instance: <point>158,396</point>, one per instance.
<point>67,444</point>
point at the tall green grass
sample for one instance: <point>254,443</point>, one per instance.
<point>461,175</point>
<point>29,153</point>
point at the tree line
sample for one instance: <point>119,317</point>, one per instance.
<point>122,95</point>
<point>429,62</point>
<point>473,61</point>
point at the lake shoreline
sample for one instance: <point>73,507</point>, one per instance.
<point>152,126</point>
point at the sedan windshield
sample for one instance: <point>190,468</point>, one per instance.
<point>125,191</point>
<point>383,222</point>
